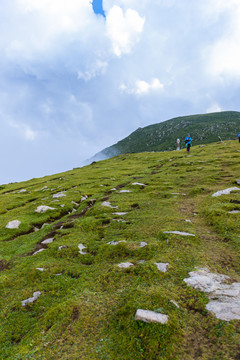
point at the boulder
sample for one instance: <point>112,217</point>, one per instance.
<point>14,224</point>
<point>43,209</point>
<point>226,191</point>
<point>151,316</point>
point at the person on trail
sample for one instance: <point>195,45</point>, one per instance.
<point>188,142</point>
<point>239,136</point>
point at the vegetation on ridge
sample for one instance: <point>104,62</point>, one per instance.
<point>87,304</point>
<point>204,129</point>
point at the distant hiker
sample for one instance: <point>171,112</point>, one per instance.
<point>178,144</point>
<point>239,136</point>
<point>188,142</point>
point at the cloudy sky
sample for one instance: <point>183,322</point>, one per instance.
<point>75,79</point>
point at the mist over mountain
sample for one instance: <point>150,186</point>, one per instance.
<point>203,128</point>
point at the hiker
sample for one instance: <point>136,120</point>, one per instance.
<point>239,136</point>
<point>188,142</point>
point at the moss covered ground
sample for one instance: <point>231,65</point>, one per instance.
<point>87,304</point>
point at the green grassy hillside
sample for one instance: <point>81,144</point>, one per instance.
<point>203,129</point>
<point>87,304</point>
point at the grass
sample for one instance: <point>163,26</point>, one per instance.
<point>87,304</point>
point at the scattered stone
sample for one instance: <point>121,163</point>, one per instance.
<point>125,265</point>
<point>124,191</point>
<point>143,244</point>
<point>188,221</point>
<point>238,181</point>
<point>114,189</point>
<point>40,269</point>
<point>225,192</point>
<point>21,191</point>
<point>115,242</point>
<point>234,212</point>
<point>119,220</point>
<point>81,247</point>
<point>36,229</point>
<point>224,298</point>
<point>61,247</point>
<point>139,184</point>
<point>120,213</point>
<point>36,295</point>
<point>62,205</point>
<point>43,209</point>
<point>58,195</point>
<point>108,204</point>
<point>44,188</point>
<point>38,251</point>
<point>174,303</point>
<point>178,233</point>
<point>74,203</point>
<point>151,316</point>
<point>47,241</point>
<point>14,224</point>
<point>162,266</point>
<point>84,198</point>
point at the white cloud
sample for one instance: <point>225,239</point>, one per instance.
<point>142,87</point>
<point>214,107</point>
<point>24,130</point>
<point>123,30</point>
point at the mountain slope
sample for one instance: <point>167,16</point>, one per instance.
<point>109,213</point>
<point>161,137</point>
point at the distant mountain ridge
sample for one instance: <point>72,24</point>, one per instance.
<point>203,128</point>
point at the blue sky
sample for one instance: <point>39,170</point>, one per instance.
<point>97,7</point>
<point>73,81</point>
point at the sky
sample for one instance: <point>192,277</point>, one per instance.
<point>77,76</point>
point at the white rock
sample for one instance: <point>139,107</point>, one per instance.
<point>120,213</point>
<point>61,247</point>
<point>84,198</point>
<point>125,265</point>
<point>234,212</point>
<point>178,233</point>
<point>22,191</point>
<point>14,224</point>
<point>119,220</point>
<point>143,244</point>
<point>115,242</point>
<point>108,204</point>
<point>238,181</point>
<point>151,316</point>
<point>139,184</point>
<point>40,269</point>
<point>224,298</point>
<point>47,241</point>
<point>43,209</point>
<point>162,266</point>
<point>124,191</point>
<point>174,303</point>
<point>58,195</point>
<point>74,203</point>
<point>81,247</point>
<point>188,221</point>
<point>225,192</point>
<point>113,189</point>
<point>43,225</point>
<point>38,251</point>
<point>36,295</point>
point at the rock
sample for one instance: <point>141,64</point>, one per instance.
<point>113,189</point>
<point>14,224</point>
<point>58,195</point>
<point>119,220</point>
<point>81,247</point>
<point>40,269</point>
<point>36,229</point>
<point>124,191</point>
<point>174,303</point>
<point>108,204</point>
<point>143,244</point>
<point>225,192</point>
<point>36,295</point>
<point>21,191</point>
<point>188,221</point>
<point>224,298</point>
<point>44,188</point>
<point>151,316</point>
<point>115,242</point>
<point>43,209</point>
<point>125,265</point>
<point>238,181</point>
<point>75,203</point>
<point>61,247</point>
<point>234,212</point>
<point>38,251</point>
<point>47,241</point>
<point>120,213</point>
<point>162,266</point>
<point>139,184</point>
<point>43,225</point>
<point>178,233</point>
<point>84,198</point>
